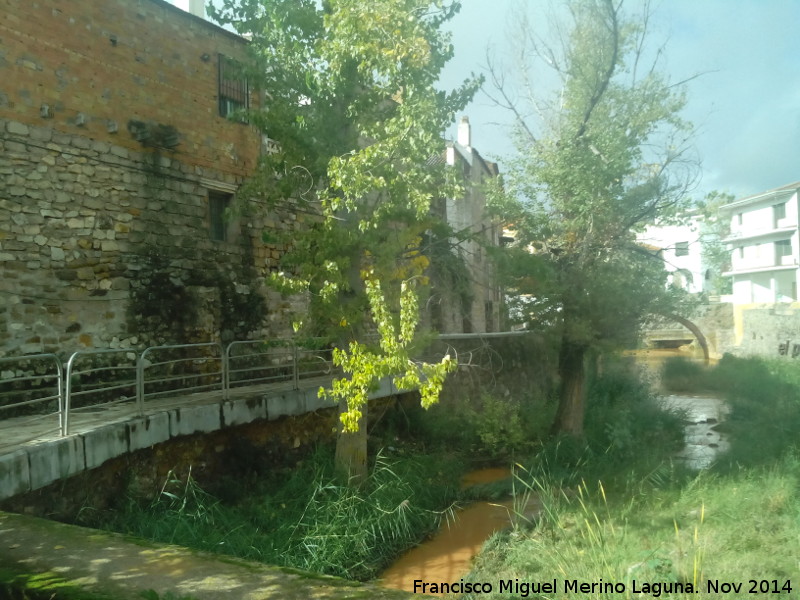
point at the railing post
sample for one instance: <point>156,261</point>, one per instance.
<point>226,376</point>
<point>140,382</point>
<point>62,415</point>
<point>296,366</point>
<point>68,393</point>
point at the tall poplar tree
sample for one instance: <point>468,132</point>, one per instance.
<point>606,154</point>
<point>351,99</point>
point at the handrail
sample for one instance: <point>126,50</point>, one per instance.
<point>70,372</point>
<point>278,360</point>
<point>59,377</point>
<point>142,364</point>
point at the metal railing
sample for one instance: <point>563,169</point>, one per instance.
<point>185,368</point>
<point>39,387</point>
<point>98,383</point>
<point>30,386</point>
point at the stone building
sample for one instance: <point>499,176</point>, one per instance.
<point>118,165</point>
<point>465,296</point>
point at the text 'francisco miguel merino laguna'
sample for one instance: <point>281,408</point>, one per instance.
<point>525,588</point>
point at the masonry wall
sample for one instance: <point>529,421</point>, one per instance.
<point>102,246</point>
<point>105,239</point>
<point>98,65</point>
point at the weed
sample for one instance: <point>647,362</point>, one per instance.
<point>311,521</point>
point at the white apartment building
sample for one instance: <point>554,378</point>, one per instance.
<point>681,248</point>
<point>765,246</point>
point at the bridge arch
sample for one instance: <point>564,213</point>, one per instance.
<point>701,339</point>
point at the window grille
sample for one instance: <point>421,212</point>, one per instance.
<point>233,90</point>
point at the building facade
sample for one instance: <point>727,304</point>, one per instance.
<point>118,165</point>
<point>681,247</point>
<point>765,270</point>
<point>465,296</point>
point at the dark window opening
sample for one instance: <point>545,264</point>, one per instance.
<point>682,249</point>
<point>783,248</point>
<point>233,91</point>
<point>218,203</point>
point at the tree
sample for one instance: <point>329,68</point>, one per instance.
<point>714,229</point>
<point>351,100</point>
<point>605,156</point>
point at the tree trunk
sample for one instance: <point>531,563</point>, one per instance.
<point>351,450</point>
<point>572,394</point>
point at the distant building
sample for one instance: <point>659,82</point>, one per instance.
<point>681,249</point>
<point>764,246</point>
<point>468,299</point>
<point>765,269</point>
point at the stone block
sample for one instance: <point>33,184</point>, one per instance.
<point>147,431</point>
<point>105,443</point>
<point>286,404</point>
<point>243,410</point>
<point>194,419</point>
<point>56,459</point>
<point>15,476</point>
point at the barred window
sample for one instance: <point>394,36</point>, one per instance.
<point>233,91</point>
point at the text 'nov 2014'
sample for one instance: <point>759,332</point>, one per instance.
<point>653,589</point>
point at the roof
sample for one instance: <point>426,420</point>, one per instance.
<point>779,191</point>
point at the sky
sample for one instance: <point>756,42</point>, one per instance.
<point>745,103</point>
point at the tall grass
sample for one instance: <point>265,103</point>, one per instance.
<point>659,524</point>
<point>311,521</point>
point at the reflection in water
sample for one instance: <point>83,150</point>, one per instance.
<point>448,555</point>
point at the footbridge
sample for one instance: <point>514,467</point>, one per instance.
<point>59,418</point>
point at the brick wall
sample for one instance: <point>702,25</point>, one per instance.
<point>105,241</point>
<point>113,61</point>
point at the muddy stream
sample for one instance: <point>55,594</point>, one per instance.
<point>448,555</point>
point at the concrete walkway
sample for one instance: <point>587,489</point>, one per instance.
<point>56,557</point>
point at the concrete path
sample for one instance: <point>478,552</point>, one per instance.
<point>54,556</point>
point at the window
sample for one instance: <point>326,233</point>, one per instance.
<point>218,203</point>
<point>233,92</point>
<point>738,218</point>
<point>780,211</point>
<point>783,248</point>
<point>682,249</point>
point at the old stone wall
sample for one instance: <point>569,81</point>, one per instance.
<point>115,168</point>
<point>104,246</point>
<point>771,331</point>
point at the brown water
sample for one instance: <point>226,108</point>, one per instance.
<point>448,555</point>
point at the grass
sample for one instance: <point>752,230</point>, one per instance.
<point>629,515</point>
<point>310,521</point>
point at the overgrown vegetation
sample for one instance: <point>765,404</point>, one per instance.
<point>311,520</point>
<point>630,515</point>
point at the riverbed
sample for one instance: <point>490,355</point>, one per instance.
<point>448,555</point>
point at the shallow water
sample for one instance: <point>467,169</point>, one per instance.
<point>448,555</point>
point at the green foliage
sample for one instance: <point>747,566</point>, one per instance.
<point>310,520</point>
<point>153,595</point>
<point>607,157</point>
<point>715,228</point>
<point>498,425</point>
<point>353,104</point>
<point>366,368</point>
